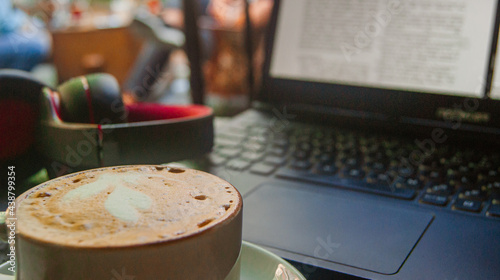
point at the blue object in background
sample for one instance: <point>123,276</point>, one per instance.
<point>24,42</point>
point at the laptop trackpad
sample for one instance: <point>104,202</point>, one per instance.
<point>361,234</point>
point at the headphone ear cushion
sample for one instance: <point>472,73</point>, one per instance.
<point>94,98</point>
<point>19,117</point>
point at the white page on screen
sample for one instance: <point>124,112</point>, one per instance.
<point>495,85</point>
<point>433,46</point>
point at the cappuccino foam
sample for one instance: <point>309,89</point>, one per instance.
<point>126,205</point>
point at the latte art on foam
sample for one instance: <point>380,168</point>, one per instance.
<point>122,201</point>
<point>125,206</point>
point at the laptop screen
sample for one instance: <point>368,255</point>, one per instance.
<point>438,46</point>
<point>410,60</point>
<point>495,86</point>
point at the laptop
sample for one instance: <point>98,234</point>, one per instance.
<point>372,149</point>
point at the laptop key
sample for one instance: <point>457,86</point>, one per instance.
<point>440,189</point>
<point>439,200</point>
<point>352,162</point>
<point>251,156</point>
<point>233,137</point>
<point>224,142</point>
<point>304,146</point>
<point>379,178</point>
<point>280,142</point>
<point>467,205</point>
<point>237,164</point>
<point>408,183</point>
<point>233,131</point>
<point>274,160</point>
<point>472,194</point>
<point>301,154</point>
<point>301,164</point>
<point>326,149</point>
<point>253,146</point>
<point>277,151</point>
<point>494,209</point>
<point>436,176</point>
<point>228,152</point>
<point>257,139</point>
<point>325,157</point>
<point>354,173</point>
<point>378,167</point>
<point>262,169</point>
<point>259,131</point>
<point>216,159</point>
<point>326,168</point>
<point>491,187</point>
<point>405,172</point>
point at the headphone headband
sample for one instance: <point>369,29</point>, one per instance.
<point>155,134</point>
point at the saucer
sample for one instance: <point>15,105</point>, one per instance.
<point>256,264</point>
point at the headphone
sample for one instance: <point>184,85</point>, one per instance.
<point>85,124</point>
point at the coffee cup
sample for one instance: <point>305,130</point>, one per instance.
<point>127,222</point>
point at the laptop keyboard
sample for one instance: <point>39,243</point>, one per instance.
<point>421,171</point>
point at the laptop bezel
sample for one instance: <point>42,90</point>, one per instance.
<point>393,107</point>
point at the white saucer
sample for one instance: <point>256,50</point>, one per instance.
<point>256,264</point>
<point>5,274</point>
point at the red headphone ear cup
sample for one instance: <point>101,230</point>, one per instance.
<point>94,98</point>
<point>19,107</point>
<point>17,127</point>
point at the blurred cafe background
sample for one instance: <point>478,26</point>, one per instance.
<point>60,39</point>
<point>156,55</point>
